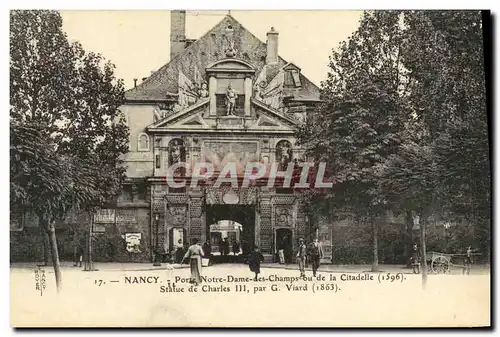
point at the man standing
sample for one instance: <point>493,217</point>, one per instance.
<point>315,255</point>
<point>415,259</point>
<point>179,251</point>
<point>301,257</point>
<point>207,249</point>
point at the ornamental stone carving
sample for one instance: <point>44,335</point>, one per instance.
<point>178,215</point>
<point>283,217</point>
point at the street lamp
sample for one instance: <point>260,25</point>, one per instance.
<point>156,261</point>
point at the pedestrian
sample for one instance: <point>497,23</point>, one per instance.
<point>468,259</point>
<point>281,254</point>
<point>254,261</point>
<point>79,249</point>
<point>315,255</point>
<point>415,259</point>
<point>236,248</point>
<point>194,255</point>
<point>301,257</point>
<point>207,249</point>
<point>179,251</point>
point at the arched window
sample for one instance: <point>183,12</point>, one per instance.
<point>143,142</point>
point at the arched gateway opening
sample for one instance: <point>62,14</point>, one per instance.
<point>230,231</point>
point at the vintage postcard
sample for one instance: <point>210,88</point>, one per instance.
<point>250,168</point>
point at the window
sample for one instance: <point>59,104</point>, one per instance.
<point>296,78</point>
<point>292,79</point>
<point>288,79</point>
<point>143,142</point>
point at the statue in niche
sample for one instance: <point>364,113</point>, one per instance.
<point>284,153</point>
<point>230,100</point>
<point>134,192</point>
<point>203,92</point>
<point>175,152</point>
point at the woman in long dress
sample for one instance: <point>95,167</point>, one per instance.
<point>194,254</point>
<point>254,261</point>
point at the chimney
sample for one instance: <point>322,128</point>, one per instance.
<point>177,32</point>
<point>135,82</point>
<point>272,47</point>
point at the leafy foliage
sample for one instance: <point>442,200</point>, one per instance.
<point>67,136</point>
<point>404,123</point>
<point>358,124</point>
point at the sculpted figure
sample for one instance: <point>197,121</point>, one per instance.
<point>158,115</point>
<point>230,100</point>
<point>176,152</point>
<point>203,91</point>
<point>284,154</point>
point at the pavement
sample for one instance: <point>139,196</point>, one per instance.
<point>121,295</point>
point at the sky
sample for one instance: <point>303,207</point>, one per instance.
<point>137,42</point>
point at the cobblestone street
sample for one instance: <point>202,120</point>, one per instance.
<point>125,298</point>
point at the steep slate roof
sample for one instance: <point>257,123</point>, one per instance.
<point>208,49</point>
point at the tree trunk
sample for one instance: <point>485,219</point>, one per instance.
<point>51,233</point>
<point>88,261</point>
<point>375,245</point>
<point>423,222</point>
<point>409,238</point>
<point>46,247</point>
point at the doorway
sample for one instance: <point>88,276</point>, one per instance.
<point>283,245</point>
<point>231,232</point>
<point>177,243</point>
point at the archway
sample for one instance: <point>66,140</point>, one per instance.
<point>177,243</point>
<point>231,231</point>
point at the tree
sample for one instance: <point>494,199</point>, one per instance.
<point>444,163</point>
<point>445,56</point>
<point>67,134</point>
<point>410,180</point>
<point>358,125</point>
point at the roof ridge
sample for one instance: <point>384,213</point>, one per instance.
<point>182,53</point>
<point>159,82</point>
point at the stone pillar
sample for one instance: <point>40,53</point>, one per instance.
<point>248,95</point>
<point>196,227</point>
<point>212,88</point>
<point>266,229</point>
<point>257,226</point>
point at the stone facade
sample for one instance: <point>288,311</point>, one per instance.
<point>181,114</point>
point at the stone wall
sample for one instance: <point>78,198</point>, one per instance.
<point>108,246</point>
<point>139,162</point>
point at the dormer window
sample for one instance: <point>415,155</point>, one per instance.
<point>292,79</point>
<point>292,76</point>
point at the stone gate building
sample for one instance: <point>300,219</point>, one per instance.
<point>181,113</point>
<point>225,97</point>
